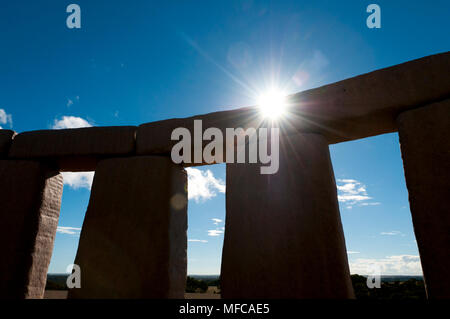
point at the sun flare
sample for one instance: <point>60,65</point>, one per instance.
<point>272,104</point>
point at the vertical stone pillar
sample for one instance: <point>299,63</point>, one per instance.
<point>425,143</point>
<point>30,197</point>
<point>6,137</point>
<point>133,241</point>
<point>283,233</point>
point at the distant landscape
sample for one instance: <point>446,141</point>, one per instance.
<point>208,286</point>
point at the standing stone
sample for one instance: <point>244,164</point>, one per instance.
<point>30,197</point>
<point>425,144</point>
<point>133,241</point>
<point>283,233</point>
<point>6,137</point>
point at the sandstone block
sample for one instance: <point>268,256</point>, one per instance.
<point>425,149</point>
<point>75,149</point>
<point>133,241</point>
<point>283,233</point>
<point>358,107</point>
<point>30,193</point>
<point>6,137</point>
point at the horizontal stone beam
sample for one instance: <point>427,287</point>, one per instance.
<point>368,105</point>
<point>6,137</point>
<point>354,108</point>
<point>75,149</point>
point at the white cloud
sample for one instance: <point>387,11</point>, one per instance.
<point>370,204</point>
<point>353,193</point>
<point>215,232</point>
<point>390,265</point>
<point>343,180</point>
<point>219,230</point>
<point>68,230</point>
<point>202,185</point>
<point>70,122</point>
<point>198,240</point>
<point>392,233</point>
<point>351,252</point>
<point>5,118</point>
<point>77,180</point>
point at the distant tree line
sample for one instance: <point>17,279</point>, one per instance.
<point>200,285</point>
<point>409,289</point>
<point>396,289</point>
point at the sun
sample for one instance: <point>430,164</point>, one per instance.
<point>272,104</point>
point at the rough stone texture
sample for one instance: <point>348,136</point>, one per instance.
<point>354,108</point>
<point>133,241</point>
<point>368,104</point>
<point>6,137</point>
<point>30,197</point>
<point>156,136</point>
<point>283,233</point>
<point>75,149</point>
<point>425,144</point>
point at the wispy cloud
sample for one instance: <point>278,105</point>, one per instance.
<point>353,193</point>
<point>392,233</point>
<point>351,252</point>
<point>198,240</point>
<point>202,185</point>
<point>70,122</point>
<point>390,265</point>
<point>215,232</point>
<point>219,229</point>
<point>78,180</point>
<point>370,204</point>
<point>68,230</point>
<point>71,101</point>
<point>5,118</point>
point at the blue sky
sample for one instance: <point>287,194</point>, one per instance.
<point>141,61</point>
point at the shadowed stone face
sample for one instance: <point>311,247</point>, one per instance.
<point>133,242</point>
<point>30,193</point>
<point>75,149</point>
<point>283,236</point>
<point>6,137</point>
<point>425,144</point>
